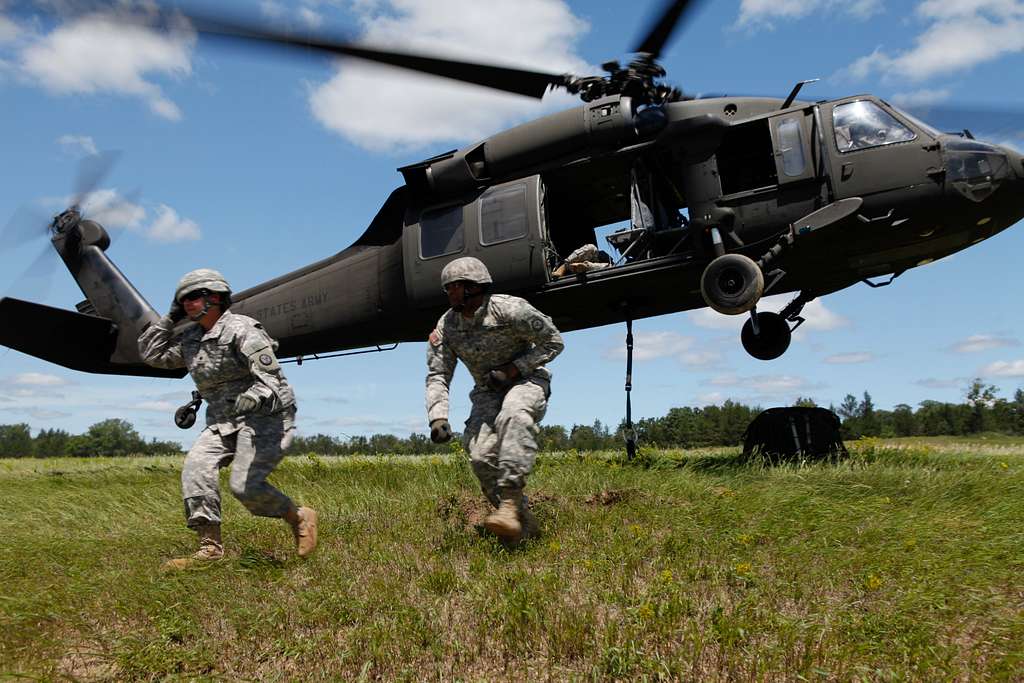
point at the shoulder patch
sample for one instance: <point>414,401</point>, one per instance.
<point>434,338</point>
<point>266,359</point>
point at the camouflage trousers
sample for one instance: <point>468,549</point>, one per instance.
<point>501,434</point>
<point>253,453</point>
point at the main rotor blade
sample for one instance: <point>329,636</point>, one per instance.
<point>518,81</point>
<point>661,30</point>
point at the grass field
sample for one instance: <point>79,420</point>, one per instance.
<point>905,562</point>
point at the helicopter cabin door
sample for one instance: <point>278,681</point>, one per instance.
<point>503,227</point>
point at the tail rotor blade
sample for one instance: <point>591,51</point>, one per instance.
<point>38,276</point>
<point>92,170</point>
<point>27,224</point>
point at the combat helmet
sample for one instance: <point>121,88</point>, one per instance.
<point>465,269</point>
<point>203,278</point>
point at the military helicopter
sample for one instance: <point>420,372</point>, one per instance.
<point>726,199</point>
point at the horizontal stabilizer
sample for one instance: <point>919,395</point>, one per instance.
<point>74,340</point>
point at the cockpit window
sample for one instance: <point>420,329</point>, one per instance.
<point>864,124</point>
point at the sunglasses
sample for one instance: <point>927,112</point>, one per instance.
<point>196,295</point>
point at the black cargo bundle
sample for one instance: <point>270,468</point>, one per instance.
<point>795,433</point>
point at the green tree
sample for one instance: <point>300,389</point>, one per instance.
<point>113,437</point>
<point>980,398</point>
<point>553,438</point>
<point>804,402</point>
<point>51,443</point>
<point>15,441</point>
<point>869,422</point>
<point>903,421</point>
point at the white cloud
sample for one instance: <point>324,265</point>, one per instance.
<point>111,210</point>
<point>8,30</point>
<point>78,144</point>
<point>40,413</point>
<point>102,54</point>
<point>982,342</point>
<point>369,424</point>
<point>37,379</point>
<point>921,98</point>
<point>850,358</point>
<point>654,345</point>
<point>153,406</point>
<point>817,317</point>
<point>1003,368</point>
<point>169,227</point>
<point>760,13</point>
<point>272,10</point>
<point>310,17</point>
<point>960,35</point>
<point>370,104</point>
<point>713,398</point>
<point>766,386</point>
<point>933,383</point>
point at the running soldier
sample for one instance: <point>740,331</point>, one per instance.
<point>504,342</point>
<point>250,416</point>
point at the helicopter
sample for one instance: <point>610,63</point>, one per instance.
<point>727,200</point>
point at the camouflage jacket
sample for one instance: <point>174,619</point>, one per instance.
<point>505,329</point>
<point>236,355</point>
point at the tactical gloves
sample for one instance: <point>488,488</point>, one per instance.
<point>501,378</point>
<point>246,403</point>
<point>440,431</point>
<point>176,313</point>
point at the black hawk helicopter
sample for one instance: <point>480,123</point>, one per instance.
<point>726,199</point>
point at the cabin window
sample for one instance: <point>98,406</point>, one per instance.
<point>441,232</point>
<point>863,124</point>
<point>503,214</point>
<point>791,147</point>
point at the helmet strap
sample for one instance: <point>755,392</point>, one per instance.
<point>207,304</point>
<point>471,300</point>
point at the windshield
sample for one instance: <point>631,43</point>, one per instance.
<point>863,124</point>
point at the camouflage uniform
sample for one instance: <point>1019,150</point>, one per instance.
<point>236,355</point>
<point>501,431</point>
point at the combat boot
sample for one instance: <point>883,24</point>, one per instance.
<point>504,521</point>
<point>305,531</point>
<point>210,549</point>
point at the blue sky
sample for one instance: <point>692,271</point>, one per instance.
<point>257,163</point>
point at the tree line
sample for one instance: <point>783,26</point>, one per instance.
<point>982,410</point>
<point>112,437</point>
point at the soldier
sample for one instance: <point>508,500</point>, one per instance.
<point>504,342</point>
<point>250,417</point>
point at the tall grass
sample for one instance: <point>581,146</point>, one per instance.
<point>902,563</point>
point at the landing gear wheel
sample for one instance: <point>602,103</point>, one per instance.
<point>732,284</point>
<point>772,338</point>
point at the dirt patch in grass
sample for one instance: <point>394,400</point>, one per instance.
<point>606,497</point>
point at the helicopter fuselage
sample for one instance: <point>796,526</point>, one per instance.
<point>740,165</point>
<point>673,188</point>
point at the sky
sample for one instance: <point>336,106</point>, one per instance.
<point>259,162</point>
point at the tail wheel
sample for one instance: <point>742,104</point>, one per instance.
<point>772,337</point>
<point>732,284</point>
